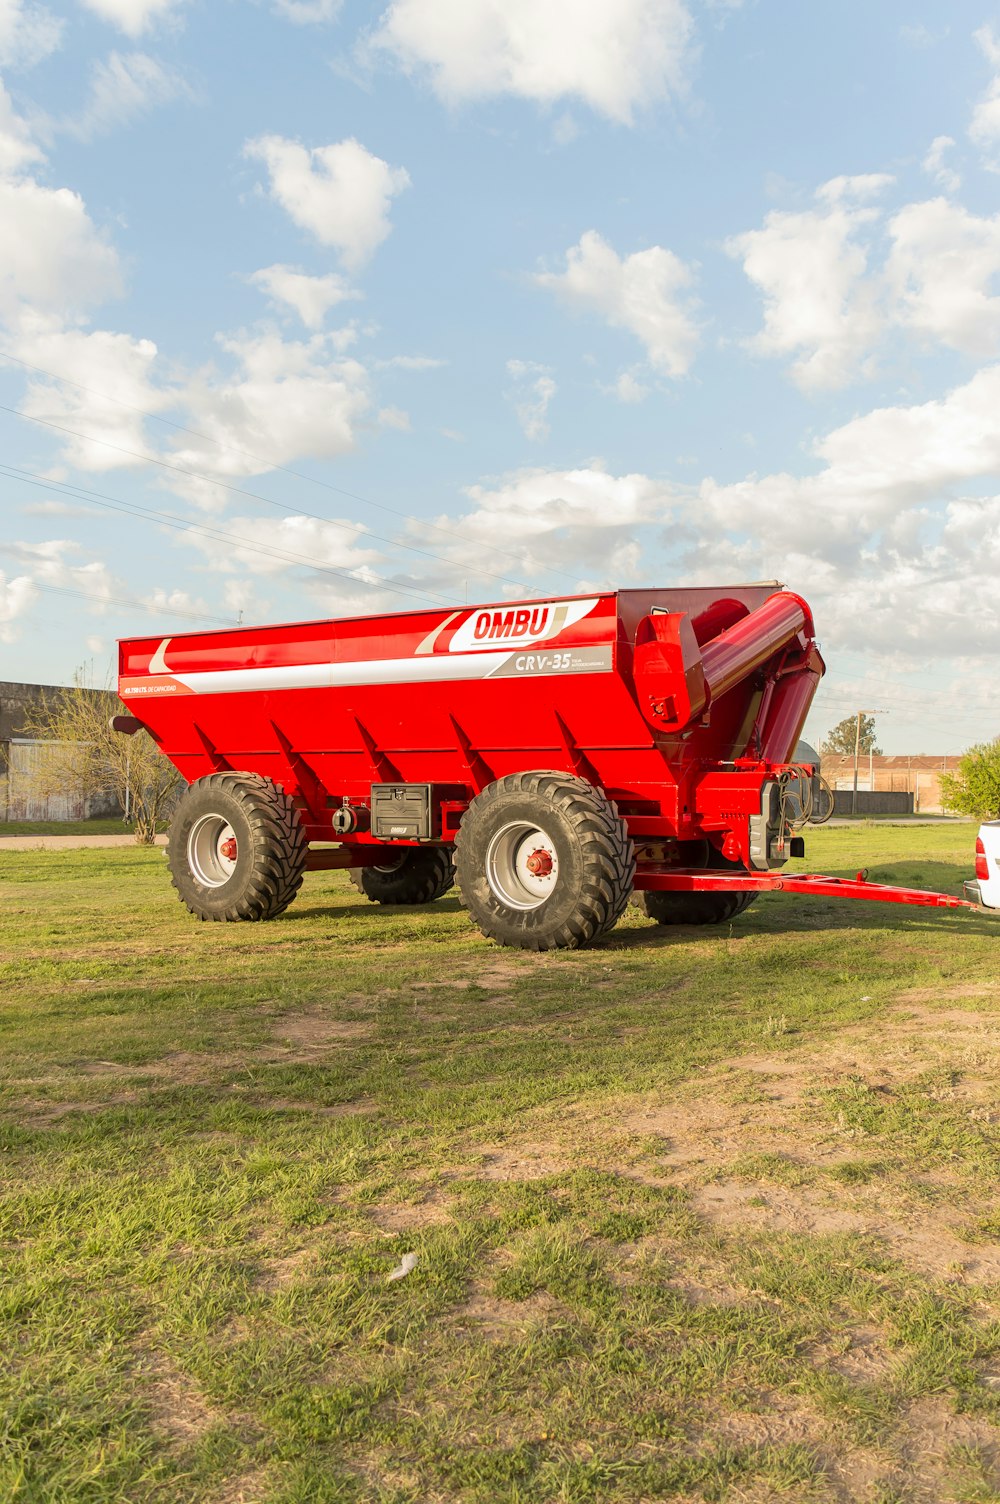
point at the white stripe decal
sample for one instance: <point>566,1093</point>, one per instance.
<point>158,663</point>
<point>332,675</point>
<point>440,666</point>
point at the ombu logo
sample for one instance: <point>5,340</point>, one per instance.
<point>521,623</point>
<point>502,626</point>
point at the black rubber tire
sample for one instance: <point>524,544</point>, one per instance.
<point>271,847</point>
<point>696,908</point>
<point>596,861</point>
<point>421,874</point>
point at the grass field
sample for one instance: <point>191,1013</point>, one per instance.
<point>697,1214</point>
<point>112,826</point>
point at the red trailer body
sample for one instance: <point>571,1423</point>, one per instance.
<point>679,709</point>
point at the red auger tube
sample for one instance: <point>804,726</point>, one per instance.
<point>736,652</point>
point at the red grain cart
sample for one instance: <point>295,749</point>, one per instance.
<point>551,756</point>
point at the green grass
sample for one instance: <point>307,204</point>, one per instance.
<point>113,826</point>
<point>698,1214</point>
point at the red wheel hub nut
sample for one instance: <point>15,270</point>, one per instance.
<point>539,863</point>
<point>228,849</point>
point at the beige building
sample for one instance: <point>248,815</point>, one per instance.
<point>919,775</point>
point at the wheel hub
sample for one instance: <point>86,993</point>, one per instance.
<point>539,863</point>
<point>212,850</point>
<point>522,866</point>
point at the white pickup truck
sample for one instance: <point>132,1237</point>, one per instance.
<point>985,888</point>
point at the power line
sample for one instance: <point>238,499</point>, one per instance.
<point>117,600</point>
<point>264,463</point>
<point>256,496</point>
<point>170,519</point>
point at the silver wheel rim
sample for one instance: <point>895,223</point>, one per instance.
<point>209,864</point>
<point>522,867</point>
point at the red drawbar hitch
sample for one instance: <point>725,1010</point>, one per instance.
<point>660,878</point>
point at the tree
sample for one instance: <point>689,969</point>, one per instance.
<point>974,788</point>
<point>843,736</point>
<point>86,757</point>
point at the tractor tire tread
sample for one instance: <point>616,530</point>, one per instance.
<point>280,846</point>
<point>609,857</point>
<point>426,877</point>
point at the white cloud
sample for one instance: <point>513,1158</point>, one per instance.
<point>308,12</point>
<point>133,17</point>
<point>122,87</point>
<point>285,401</point>
<point>564,130</point>
<point>28,33</point>
<point>810,268</point>
<point>275,545</point>
<point>51,256</point>
<point>832,291</point>
<point>280,401</point>
<point>918,35</point>
<point>56,509</point>
<point>618,56</point>
<point>17,149</point>
<point>411,363</point>
<point>109,382</point>
<point>934,164</point>
<point>984,128</point>
<point>586,517</point>
<point>341,193</point>
<point>898,552</point>
<point>532,390</point>
<point>17,596</point>
<point>310,297</point>
<point>628,388</point>
<point>645,293</point>
<point>394,417</point>
<point>941,268</point>
<point>918,451</point>
<point>49,566</point>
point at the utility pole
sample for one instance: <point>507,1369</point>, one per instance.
<point>857,753</point>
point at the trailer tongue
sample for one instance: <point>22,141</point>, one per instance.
<point>554,757</point>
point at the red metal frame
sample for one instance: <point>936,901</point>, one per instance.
<point>814,884</point>
<point>684,706</point>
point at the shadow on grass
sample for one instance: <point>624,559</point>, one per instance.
<point>772,913</point>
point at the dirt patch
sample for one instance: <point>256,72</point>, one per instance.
<point>248,1488</point>
<point>778,1421</point>
<point>299,1038</point>
<point>935,994</point>
<point>315,1031</point>
<point>45,1114</point>
<point>359,1107</point>
<point>500,975</point>
<point>761,1102</point>
<point>931,1435</point>
<point>433,1211</point>
<point>491,1317</point>
<point>858,1354</point>
<point>523,1161</point>
<point>278,1274</point>
<point>459,984</point>
<point>177,1407</point>
<point>924,1242</point>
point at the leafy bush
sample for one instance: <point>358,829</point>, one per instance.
<point>975,788</point>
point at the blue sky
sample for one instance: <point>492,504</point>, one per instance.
<point>313,308</point>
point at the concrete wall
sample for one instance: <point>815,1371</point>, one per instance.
<point>918,774</point>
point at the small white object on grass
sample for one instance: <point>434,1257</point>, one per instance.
<point>405,1266</point>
